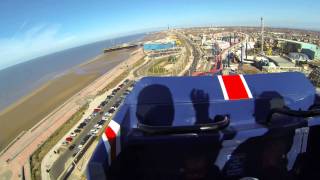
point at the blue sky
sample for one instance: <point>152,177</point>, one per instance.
<point>32,28</point>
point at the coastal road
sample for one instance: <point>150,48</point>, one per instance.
<point>196,57</point>
<point>60,164</point>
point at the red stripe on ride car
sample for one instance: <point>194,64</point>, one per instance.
<point>111,135</point>
<point>235,87</point>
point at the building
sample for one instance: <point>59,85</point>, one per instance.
<point>158,46</point>
<point>298,56</point>
<point>311,50</point>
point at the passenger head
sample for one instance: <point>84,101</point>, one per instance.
<point>155,106</point>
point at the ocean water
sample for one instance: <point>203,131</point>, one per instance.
<point>21,79</point>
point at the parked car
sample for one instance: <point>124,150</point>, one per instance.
<point>94,132</point>
<point>65,143</point>
<point>75,153</point>
<point>69,139</point>
<point>103,103</point>
<point>71,147</point>
<point>77,130</point>
<point>80,146</point>
<point>73,134</point>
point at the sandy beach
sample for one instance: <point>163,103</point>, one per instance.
<point>28,111</point>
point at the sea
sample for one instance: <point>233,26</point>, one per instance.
<point>19,80</point>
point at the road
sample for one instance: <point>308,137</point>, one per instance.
<point>59,165</point>
<point>196,58</point>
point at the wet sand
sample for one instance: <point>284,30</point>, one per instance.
<point>28,111</point>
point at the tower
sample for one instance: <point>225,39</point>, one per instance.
<point>262,35</point>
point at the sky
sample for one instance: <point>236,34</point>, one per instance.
<point>33,28</point>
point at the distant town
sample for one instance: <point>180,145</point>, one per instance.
<point>199,51</point>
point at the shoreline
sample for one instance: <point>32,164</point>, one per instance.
<point>45,84</point>
<point>51,87</point>
<point>17,156</point>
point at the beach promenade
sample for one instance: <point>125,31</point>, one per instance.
<point>14,161</point>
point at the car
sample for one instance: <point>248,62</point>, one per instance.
<point>73,134</point>
<point>101,122</point>
<point>80,146</point>
<point>85,139</point>
<point>69,139</point>
<point>104,118</point>
<point>71,147</point>
<point>108,114</point>
<point>75,153</point>
<point>77,130</point>
<point>99,127</point>
<point>118,89</point>
<point>103,103</point>
<point>93,115</point>
<point>126,81</point>
<point>121,85</point>
<point>96,110</point>
<point>94,132</point>
<point>96,125</point>
<point>65,143</point>
<point>83,124</point>
<point>109,97</point>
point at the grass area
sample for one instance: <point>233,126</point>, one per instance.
<point>158,67</point>
<point>38,155</point>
